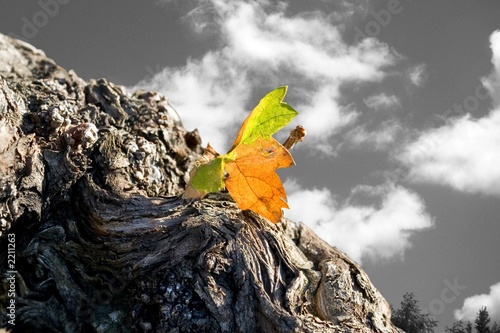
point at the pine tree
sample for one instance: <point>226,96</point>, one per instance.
<point>410,317</point>
<point>468,328</point>
<point>482,321</point>
<point>495,328</point>
<point>458,327</point>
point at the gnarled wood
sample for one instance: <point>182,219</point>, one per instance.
<point>90,178</point>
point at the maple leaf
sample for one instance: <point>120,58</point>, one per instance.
<point>252,161</point>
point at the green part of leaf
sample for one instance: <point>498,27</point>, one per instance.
<point>268,117</point>
<point>210,176</point>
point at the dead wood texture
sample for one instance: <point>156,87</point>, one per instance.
<point>90,177</point>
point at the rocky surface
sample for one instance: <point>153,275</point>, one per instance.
<point>90,178</point>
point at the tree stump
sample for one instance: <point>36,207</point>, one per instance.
<point>90,184</point>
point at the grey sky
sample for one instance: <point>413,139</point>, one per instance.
<point>445,44</point>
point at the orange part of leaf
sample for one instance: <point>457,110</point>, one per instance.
<point>253,181</point>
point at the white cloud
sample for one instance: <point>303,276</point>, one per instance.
<point>418,74</point>
<point>382,101</point>
<point>261,47</point>
<point>322,116</point>
<point>382,137</point>
<point>492,83</point>
<point>380,231</point>
<point>473,304</point>
<point>463,154</point>
<point>207,95</point>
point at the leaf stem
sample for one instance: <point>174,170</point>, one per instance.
<point>296,135</point>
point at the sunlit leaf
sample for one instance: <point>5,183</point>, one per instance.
<point>268,117</point>
<point>210,176</point>
<point>252,161</point>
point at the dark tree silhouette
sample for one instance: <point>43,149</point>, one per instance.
<point>459,327</point>
<point>410,318</point>
<point>481,324</point>
<point>482,321</point>
<point>495,328</point>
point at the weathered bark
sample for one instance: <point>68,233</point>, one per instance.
<point>90,177</point>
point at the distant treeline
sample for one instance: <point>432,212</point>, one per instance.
<point>410,318</point>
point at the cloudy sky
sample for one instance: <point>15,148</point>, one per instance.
<point>400,98</point>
